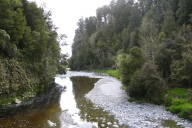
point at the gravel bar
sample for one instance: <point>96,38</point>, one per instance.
<point>107,94</point>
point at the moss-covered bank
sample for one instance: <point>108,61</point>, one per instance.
<point>17,83</point>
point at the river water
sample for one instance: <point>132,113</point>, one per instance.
<point>71,110</point>
<point>90,100</point>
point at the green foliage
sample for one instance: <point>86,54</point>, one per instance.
<point>125,71</point>
<point>14,80</point>
<point>127,34</point>
<point>4,41</point>
<point>181,68</point>
<point>147,84</point>
<point>128,64</point>
<point>29,50</point>
<point>171,124</point>
<point>183,110</point>
<point>5,101</point>
<point>184,11</point>
<point>169,24</point>
<point>181,92</point>
<point>63,64</point>
<point>12,19</point>
<point>178,101</point>
<point>112,72</point>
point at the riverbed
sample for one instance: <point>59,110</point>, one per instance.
<point>93,100</point>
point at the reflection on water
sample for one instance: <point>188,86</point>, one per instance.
<point>71,110</point>
<point>70,113</point>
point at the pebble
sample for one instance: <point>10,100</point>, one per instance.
<point>108,95</point>
<point>109,123</point>
<point>103,121</point>
<point>51,124</point>
<point>17,101</point>
<point>102,125</point>
<point>129,113</point>
<point>115,126</point>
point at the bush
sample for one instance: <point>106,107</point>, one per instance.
<point>15,81</point>
<point>179,92</point>
<point>147,84</point>
<point>13,78</point>
<point>183,110</point>
<point>178,101</point>
<point>128,64</point>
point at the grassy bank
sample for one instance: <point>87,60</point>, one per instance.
<point>112,72</point>
<point>179,101</point>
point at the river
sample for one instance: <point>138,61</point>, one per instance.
<point>90,100</point>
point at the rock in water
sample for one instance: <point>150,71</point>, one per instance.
<point>87,125</point>
<point>17,101</point>
<point>51,124</point>
<point>64,88</point>
<point>102,125</point>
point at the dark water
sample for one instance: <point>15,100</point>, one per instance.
<point>71,110</point>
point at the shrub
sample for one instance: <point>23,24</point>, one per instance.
<point>179,92</point>
<point>128,64</point>
<point>183,110</point>
<point>147,84</point>
<point>14,80</point>
<point>178,101</point>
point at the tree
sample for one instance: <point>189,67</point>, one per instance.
<point>184,11</point>
<point>4,40</point>
<point>147,84</point>
<point>128,64</point>
<point>158,30</point>
<point>169,24</point>
<point>29,49</point>
<point>181,68</point>
<point>149,37</point>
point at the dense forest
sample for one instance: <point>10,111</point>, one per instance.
<point>29,50</point>
<point>148,41</point>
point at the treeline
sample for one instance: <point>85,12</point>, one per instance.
<point>149,41</point>
<point>29,49</point>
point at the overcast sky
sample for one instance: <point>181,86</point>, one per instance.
<point>65,14</point>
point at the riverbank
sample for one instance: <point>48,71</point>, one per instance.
<point>42,99</point>
<point>176,100</point>
<point>112,72</point>
<point>102,104</point>
<point>108,95</point>
<point>179,101</point>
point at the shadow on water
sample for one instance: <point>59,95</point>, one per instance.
<point>36,115</point>
<point>69,110</point>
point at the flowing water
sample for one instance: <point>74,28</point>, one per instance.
<point>73,107</point>
<point>71,110</point>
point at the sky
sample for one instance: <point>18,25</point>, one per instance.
<point>66,13</point>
